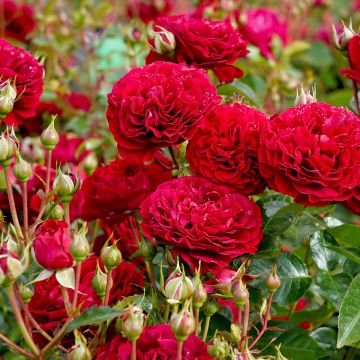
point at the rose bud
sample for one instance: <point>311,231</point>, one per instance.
<point>7,150</point>
<point>57,213</point>
<point>80,247</point>
<point>7,98</point>
<point>65,186</point>
<point>218,349</point>
<point>182,323</point>
<point>273,281</point>
<point>146,249</point>
<point>305,98</point>
<point>342,35</point>
<point>50,137</point>
<point>163,41</point>
<point>133,323</point>
<point>80,351</point>
<point>26,293</point>
<point>51,245</point>
<point>210,308</point>
<point>199,295</point>
<point>99,282</point>
<point>178,286</point>
<point>22,169</point>
<point>111,256</point>
<point>90,163</point>
<point>240,293</point>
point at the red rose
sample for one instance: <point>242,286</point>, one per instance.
<point>353,204</point>
<point>155,342</point>
<point>47,304</point>
<point>202,221</point>
<point>354,59</point>
<point>156,106</point>
<point>114,191</point>
<point>51,245</point>
<point>78,101</point>
<point>261,26</point>
<point>312,153</point>
<point>19,20</point>
<point>20,66</point>
<point>203,43</point>
<point>224,149</point>
<point>149,10</point>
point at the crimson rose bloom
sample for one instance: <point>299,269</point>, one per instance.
<point>20,66</point>
<point>203,43</point>
<point>155,342</point>
<point>224,149</point>
<point>19,20</point>
<point>156,106</point>
<point>51,245</point>
<point>353,204</point>
<point>354,59</point>
<point>149,10</point>
<point>47,304</point>
<point>312,153</point>
<point>261,26</point>
<point>114,191</point>
<point>202,221</point>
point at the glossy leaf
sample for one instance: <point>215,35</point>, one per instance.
<point>346,234</point>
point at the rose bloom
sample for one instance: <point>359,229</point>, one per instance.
<point>114,191</point>
<point>261,26</point>
<point>201,221</point>
<point>312,153</point>
<point>78,101</point>
<point>20,66</point>
<point>149,10</point>
<point>224,148</point>
<point>155,342</point>
<point>353,204</point>
<point>354,59</point>
<point>156,106</point>
<point>19,19</point>
<point>47,304</point>
<point>51,245</point>
<point>203,43</point>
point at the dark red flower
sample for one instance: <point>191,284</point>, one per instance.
<point>18,19</point>
<point>47,304</point>
<point>201,221</point>
<point>78,101</point>
<point>203,43</point>
<point>312,153</point>
<point>354,59</point>
<point>224,149</point>
<point>155,342</point>
<point>51,245</point>
<point>353,204</point>
<point>156,106</point>
<point>20,66</point>
<point>261,26</point>
<point>114,191</point>
<point>149,10</point>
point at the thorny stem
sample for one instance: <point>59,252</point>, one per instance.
<point>16,347</point>
<point>25,211</point>
<point>20,321</point>
<point>12,202</point>
<point>206,327</point>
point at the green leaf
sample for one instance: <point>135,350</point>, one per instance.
<point>293,273</point>
<point>296,47</point>
<point>333,287</point>
<point>312,315</point>
<point>326,338</point>
<point>66,278</point>
<point>352,254</point>
<point>346,234</point>
<point>349,315</point>
<point>92,316</point>
<point>324,258</point>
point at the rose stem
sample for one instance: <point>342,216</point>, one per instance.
<point>108,287</point>
<point>206,327</point>
<point>133,350</point>
<point>57,337</point>
<point>196,311</point>
<point>12,202</point>
<point>77,283</point>
<point>67,303</point>
<point>246,325</point>
<point>48,172</point>
<point>20,321</point>
<point>67,213</point>
<point>240,317</point>
<point>167,310</point>
<point>16,347</point>
<point>150,273</point>
<point>172,153</point>
<point>264,328</point>
<point>179,350</point>
<point>355,91</point>
<point>25,211</point>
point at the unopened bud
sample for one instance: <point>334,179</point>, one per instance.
<point>273,281</point>
<point>57,213</point>
<point>147,249</point>
<point>7,150</point>
<point>65,186</point>
<point>90,163</point>
<point>80,247</point>
<point>218,349</point>
<point>22,169</point>
<point>210,308</point>
<point>99,282</point>
<point>133,323</point>
<point>50,137</point>
<point>80,351</point>
<point>15,268</point>
<point>240,293</point>
<point>303,98</point>
<point>111,256</point>
<point>199,294</point>
<point>163,41</point>
<point>182,323</point>
<point>7,98</point>
<point>26,293</point>
<point>342,35</point>
<point>178,286</point>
